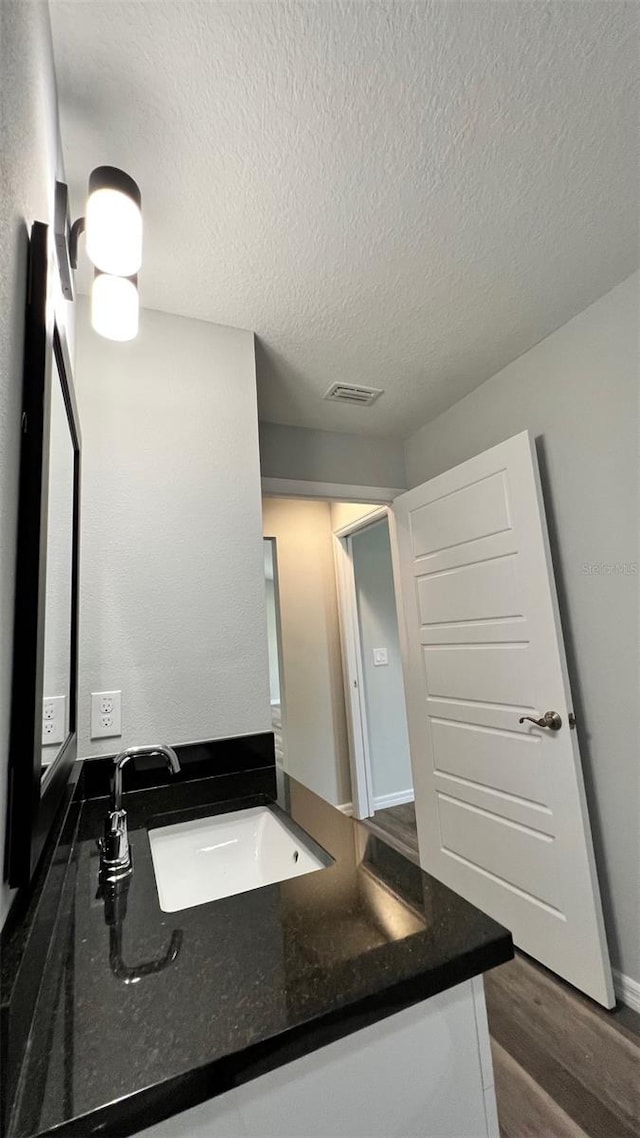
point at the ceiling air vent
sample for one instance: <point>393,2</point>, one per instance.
<point>350,393</point>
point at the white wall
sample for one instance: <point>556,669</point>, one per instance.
<point>328,456</point>
<point>383,685</point>
<point>577,391</point>
<point>30,162</point>
<point>315,731</point>
<point>172,570</point>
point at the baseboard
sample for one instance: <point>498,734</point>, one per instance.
<point>397,799</point>
<point>346,808</point>
<point>627,990</point>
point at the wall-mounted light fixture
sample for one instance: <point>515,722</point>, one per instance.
<point>114,306</point>
<point>113,228</point>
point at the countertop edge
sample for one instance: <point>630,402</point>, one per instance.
<point>158,1102</point>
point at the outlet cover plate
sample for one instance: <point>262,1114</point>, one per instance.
<point>106,714</point>
<point>54,720</point>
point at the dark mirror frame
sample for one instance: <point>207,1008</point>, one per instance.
<point>33,800</point>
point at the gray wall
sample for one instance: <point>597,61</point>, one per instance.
<point>327,456</point>
<point>172,566</point>
<point>577,392</point>
<point>30,159</point>
<point>383,685</point>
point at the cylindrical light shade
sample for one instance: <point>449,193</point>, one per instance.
<point>113,222</point>
<point>115,306</point>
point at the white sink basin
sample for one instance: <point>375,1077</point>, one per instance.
<point>209,858</point>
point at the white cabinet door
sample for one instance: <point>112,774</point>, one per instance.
<point>422,1073</point>
<point>500,804</point>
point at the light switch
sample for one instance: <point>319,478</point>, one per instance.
<point>380,657</point>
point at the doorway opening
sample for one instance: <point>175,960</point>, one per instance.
<point>304,638</point>
<point>337,697</point>
<point>382,774</point>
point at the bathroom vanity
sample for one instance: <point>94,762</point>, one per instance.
<point>344,1000</point>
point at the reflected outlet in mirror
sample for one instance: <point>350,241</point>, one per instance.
<point>206,859</point>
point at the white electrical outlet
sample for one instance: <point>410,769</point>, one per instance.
<point>106,714</point>
<point>54,720</point>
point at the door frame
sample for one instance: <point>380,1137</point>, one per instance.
<point>352,662</point>
<point>328,491</point>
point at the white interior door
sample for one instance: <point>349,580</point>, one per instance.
<point>500,805</point>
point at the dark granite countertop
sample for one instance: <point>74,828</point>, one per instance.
<point>139,1021</point>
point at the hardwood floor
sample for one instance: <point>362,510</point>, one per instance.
<point>397,825</point>
<point>524,1107</point>
<point>564,1067</point>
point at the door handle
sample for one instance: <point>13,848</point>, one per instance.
<point>550,719</point>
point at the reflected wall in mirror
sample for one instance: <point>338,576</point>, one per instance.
<point>43,704</point>
<point>274,642</point>
<point>58,587</point>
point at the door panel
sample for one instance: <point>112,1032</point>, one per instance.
<point>500,805</point>
<point>495,673</point>
<point>459,516</point>
<point>489,763</point>
<point>469,592</point>
<point>520,856</point>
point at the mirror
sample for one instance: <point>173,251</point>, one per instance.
<point>56,697</point>
<point>43,743</point>
<point>274,641</point>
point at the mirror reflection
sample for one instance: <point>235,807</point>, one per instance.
<point>57,622</point>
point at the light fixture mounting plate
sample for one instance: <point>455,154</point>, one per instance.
<point>62,234</point>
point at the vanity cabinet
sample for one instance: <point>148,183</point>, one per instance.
<point>423,1073</point>
<point>347,1002</point>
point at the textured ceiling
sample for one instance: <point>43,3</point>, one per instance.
<point>402,195</point>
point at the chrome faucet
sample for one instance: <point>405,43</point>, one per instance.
<point>115,852</point>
